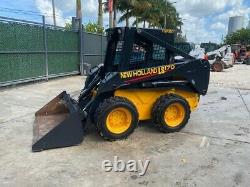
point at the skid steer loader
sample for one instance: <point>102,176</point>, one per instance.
<point>140,80</point>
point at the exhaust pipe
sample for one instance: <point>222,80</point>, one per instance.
<point>58,124</point>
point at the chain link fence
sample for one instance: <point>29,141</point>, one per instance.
<point>35,51</point>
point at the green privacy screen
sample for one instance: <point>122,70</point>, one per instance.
<point>22,51</point>
<point>63,47</point>
<point>15,41</point>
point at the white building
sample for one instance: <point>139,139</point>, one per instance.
<point>235,23</point>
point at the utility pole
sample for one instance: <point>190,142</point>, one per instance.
<point>54,12</point>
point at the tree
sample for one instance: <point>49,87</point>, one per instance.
<point>239,37</point>
<point>125,7</point>
<point>94,28</point>
<point>115,6</point>
<point>170,17</point>
<point>144,11</point>
<point>78,9</point>
<point>68,26</point>
<point>90,27</point>
<point>100,13</point>
<point>153,12</point>
<point>180,38</point>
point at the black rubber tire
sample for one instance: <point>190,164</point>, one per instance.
<point>105,108</point>
<point>248,61</point>
<point>217,66</point>
<point>161,105</point>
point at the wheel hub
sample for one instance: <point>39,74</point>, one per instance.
<point>119,120</point>
<point>174,114</point>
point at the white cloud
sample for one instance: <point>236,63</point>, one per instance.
<point>242,11</point>
<point>67,7</point>
<point>197,31</point>
<point>204,20</point>
<point>207,20</point>
<point>89,7</point>
<point>45,8</point>
<point>205,7</point>
<point>218,26</point>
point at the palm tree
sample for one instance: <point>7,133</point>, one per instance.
<point>146,11</point>
<point>171,18</point>
<point>152,12</point>
<point>134,8</point>
<point>125,7</point>
<point>78,9</point>
<point>160,14</point>
<point>115,5</point>
<point>100,13</point>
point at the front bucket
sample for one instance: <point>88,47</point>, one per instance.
<point>57,124</point>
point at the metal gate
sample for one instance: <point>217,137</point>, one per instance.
<point>35,51</point>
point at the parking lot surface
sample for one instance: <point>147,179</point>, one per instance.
<point>213,149</point>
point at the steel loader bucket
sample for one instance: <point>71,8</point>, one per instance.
<point>58,124</point>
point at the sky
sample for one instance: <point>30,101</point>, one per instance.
<point>204,20</point>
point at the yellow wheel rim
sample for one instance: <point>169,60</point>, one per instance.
<point>119,120</point>
<point>174,114</point>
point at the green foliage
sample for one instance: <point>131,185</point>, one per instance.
<point>125,7</point>
<point>153,12</point>
<point>68,26</point>
<point>90,27</point>
<point>94,28</point>
<point>180,38</point>
<point>240,37</point>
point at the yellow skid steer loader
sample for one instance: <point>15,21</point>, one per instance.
<point>139,80</point>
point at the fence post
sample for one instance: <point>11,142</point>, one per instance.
<point>45,48</point>
<point>101,50</point>
<point>81,47</point>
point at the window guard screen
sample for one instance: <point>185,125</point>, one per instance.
<point>158,52</point>
<point>118,52</point>
<point>138,54</point>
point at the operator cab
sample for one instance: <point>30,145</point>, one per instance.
<point>141,49</point>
